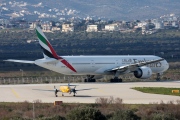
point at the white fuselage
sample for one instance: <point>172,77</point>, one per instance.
<point>98,65</point>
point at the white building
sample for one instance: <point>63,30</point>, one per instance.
<point>56,29</point>
<point>46,27</point>
<point>32,25</point>
<point>67,28</point>
<point>141,24</point>
<point>112,27</point>
<point>175,24</point>
<point>144,29</point>
<point>92,28</point>
<point>159,25</point>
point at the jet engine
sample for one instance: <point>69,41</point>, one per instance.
<point>143,72</point>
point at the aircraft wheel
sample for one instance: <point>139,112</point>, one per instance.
<point>120,80</point>
<point>85,80</point>
<point>89,80</point>
<point>116,80</point>
<point>92,80</point>
<point>158,77</point>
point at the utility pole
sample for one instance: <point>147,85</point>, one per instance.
<point>22,74</point>
<point>33,112</point>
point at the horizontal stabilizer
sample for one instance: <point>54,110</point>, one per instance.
<point>50,60</point>
<point>20,61</point>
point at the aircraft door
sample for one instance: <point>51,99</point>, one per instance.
<point>92,63</point>
<point>117,62</point>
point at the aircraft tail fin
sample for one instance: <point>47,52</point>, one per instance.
<point>47,48</point>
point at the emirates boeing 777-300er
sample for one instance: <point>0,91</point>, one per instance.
<point>142,66</point>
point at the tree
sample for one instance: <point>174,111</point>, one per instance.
<point>85,113</point>
<point>124,115</point>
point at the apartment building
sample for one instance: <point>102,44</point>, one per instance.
<point>67,28</point>
<point>112,27</point>
<point>92,28</point>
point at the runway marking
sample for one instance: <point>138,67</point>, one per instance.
<point>50,87</point>
<point>101,91</point>
<point>15,93</point>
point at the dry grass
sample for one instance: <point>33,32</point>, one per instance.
<point>107,106</point>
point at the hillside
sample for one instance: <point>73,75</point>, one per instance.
<point>116,9</point>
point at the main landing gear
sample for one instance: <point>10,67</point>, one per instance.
<point>158,78</point>
<point>90,78</point>
<point>116,79</point>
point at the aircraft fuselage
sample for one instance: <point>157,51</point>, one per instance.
<point>98,65</point>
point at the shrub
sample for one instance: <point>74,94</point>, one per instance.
<point>107,101</point>
<point>124,115</point>
<point>162,116</point>
<point>102,101</point>
<point>57,117</point>
<point>85,113</point>
<point>162,111</point>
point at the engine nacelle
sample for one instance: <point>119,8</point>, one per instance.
<point>143,72</point>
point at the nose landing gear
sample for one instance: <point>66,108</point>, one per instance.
<point>158,78</point>
<point>90,78</point>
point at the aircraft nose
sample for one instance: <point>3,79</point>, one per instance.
<point>166,66</point>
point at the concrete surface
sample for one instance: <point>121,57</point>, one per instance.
<point>25,92</point>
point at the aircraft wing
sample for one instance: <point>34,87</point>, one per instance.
<point>20,61</point>
<point>68,85</point>
<point>85,89</point>
<point>134,66</point>
<point>46,90</point>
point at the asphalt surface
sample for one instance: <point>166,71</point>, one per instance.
<point>29,92</point>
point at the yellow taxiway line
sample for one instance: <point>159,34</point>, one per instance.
<point>15,93</point>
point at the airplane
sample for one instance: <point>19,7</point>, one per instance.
<point>142,66</point>
<point>65,89</point>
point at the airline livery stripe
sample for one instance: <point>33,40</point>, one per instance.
<point>41,37</point>
<point>53,51</point>
<point>68,65</point>
<point>59,58</point>
<point>47,53</point>
<point>44,46</point>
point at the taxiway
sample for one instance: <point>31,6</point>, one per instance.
<point>25,92</point>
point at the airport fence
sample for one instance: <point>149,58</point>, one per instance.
<point>73,79</point>
<point>58,79</point>
<point>38,80</point>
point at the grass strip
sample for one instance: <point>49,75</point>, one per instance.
<point>158,90</point>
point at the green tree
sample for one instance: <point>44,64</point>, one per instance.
<point>124,115</point>
<point>85,113</point>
